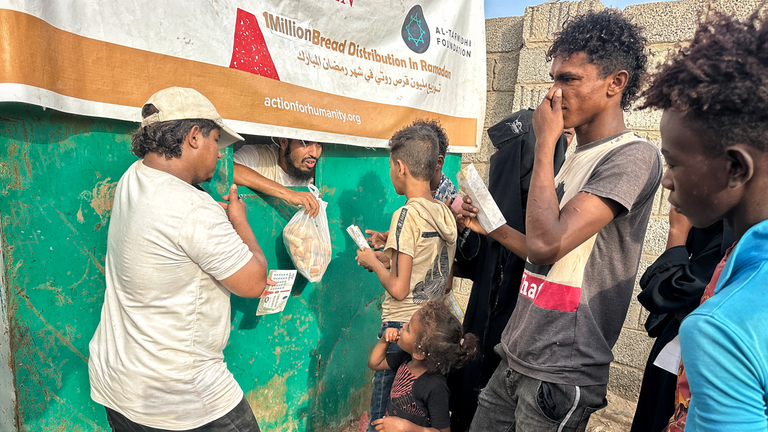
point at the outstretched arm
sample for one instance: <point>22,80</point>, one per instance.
<point>397,279</point>
<point>247,177</point>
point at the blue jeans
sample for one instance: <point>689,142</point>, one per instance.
<point>240,419</point>
<point>515,402</point>
<point>382,380</point>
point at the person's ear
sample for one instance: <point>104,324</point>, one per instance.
<point>440,163</point>
<point>194,137</point>
<point>741,166</point>
<point>402,168</point>
<point>418,355</point>
<point>618,82</point>
<point>284,142</point>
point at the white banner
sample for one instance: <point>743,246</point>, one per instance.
<point>344,71</point>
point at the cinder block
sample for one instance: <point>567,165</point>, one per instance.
<point>498,106</point>
<point>632,348</point>
<point>625,381</point>
<point>505,73</point>
<point>503,34</point>
<point>544,20</point>
<point>658,200</point>
<point>483,154</point>
<point>529,96</point>
<point>656,236</point>
<point>647,119</point>
<point>534,67</point>
<point>633,314</point>
<point>490,64</point>
<point>654,136</point>
<point>667,21</point>
<point>645,262</point>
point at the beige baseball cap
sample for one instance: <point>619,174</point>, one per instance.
<point>180,103</point>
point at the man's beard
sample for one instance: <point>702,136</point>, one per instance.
<point>295,171</point>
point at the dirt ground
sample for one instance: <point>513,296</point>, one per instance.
<point>616,417</point>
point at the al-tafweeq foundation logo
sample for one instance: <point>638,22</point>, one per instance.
<point>415,31</point>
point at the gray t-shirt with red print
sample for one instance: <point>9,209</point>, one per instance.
<point>569,314</point>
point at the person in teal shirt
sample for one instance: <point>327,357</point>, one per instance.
<point>714,132</point>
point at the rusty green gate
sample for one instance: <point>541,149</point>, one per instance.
<point>302,370</point>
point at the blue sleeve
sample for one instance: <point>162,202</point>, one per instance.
<point>724,377</point>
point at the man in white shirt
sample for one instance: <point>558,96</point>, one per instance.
<point>269,169</point>
<point>174,255</point>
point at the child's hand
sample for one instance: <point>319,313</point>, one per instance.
<point>383,259</point>
<point>393,424</point>
<point>377,240</point>
<point>391,335</point>
<point>366,258</point>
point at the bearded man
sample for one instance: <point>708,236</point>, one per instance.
<point>270,169</point>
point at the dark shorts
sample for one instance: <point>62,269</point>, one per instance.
<point>240,419</point>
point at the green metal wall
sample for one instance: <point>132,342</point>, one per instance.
<point>302,370</point>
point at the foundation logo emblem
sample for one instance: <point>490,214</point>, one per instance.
<point>415,31</point>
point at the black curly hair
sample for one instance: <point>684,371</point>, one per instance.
<point>442,337</point>
<point>437,128</point>
<point>610,42</point>
<point>416,145</point>
<point>166,138</point>
<point>719,82</point>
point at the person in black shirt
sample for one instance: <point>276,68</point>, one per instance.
<point>432,343</point>
<point>672,287</point>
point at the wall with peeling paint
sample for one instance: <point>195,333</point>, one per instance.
<point>7,390</point>
<point>302,370</point>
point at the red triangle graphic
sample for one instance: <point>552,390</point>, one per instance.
<point>250,52</point>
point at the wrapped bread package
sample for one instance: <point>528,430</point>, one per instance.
<point>489,215</point>
<point>308,241</point>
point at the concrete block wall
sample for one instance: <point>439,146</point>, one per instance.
<point>518,77</point>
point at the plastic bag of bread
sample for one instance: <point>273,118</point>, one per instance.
<point>308,241</point>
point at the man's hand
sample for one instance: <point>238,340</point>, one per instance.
<point>391,335</point>
<point>235,206</point>
<point>377,240</point>
<point>267,292</point>
<point>548,120</point>
<point>467,217</point>
<point>306,199</point>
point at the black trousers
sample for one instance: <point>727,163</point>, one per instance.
<point>240,419</point>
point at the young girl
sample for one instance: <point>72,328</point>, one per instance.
<point>432,344</point>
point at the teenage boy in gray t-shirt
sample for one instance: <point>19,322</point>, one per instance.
<point>584,234</point>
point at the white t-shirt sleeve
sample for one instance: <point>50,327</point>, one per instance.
<point>247,155</point>
<point>208,238</point>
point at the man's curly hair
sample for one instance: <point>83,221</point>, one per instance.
<point>442,337</point>
<point>166,138</point>
<point>719,83</point>
<point>610,42</point>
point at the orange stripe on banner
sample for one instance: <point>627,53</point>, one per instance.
<point>34,53</point>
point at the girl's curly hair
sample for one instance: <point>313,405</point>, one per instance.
<point>610,42</point>
<point>442,337</point>
<point>166,137</point>
<point>719,82</point>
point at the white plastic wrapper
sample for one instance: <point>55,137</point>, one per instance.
<point>308,241</point>
<point>489,215</point>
